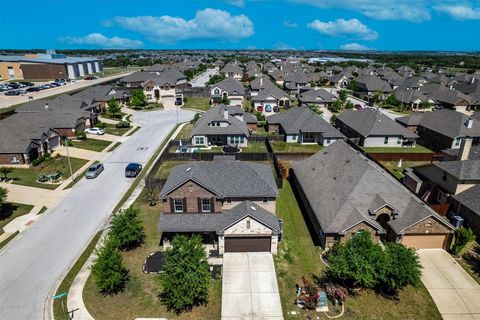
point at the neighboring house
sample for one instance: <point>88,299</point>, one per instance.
<point>270,99</point>
<point>136,79</point>
<point>222,125</point>
<point>102,94</point>
<point>466,205</point>
<point>296,82</point>
<point>231,204</point>
<point>342,192</point>
<point>302,125</point>
<point>317,97</point>
<point>338,80</point>
<point>258,84</point>
<point>369,85</point>
<point>412,98</point>
<point>232,70</point>
<point>230,89</point>
<point>452,99</point>
<point>163,88</point>
<point>411,122</point>
<point>371,128</point>
<point>443,129</point>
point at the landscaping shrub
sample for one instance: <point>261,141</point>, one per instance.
<point>36,162</point>
<point>403,267</point>
<point>195,118</point>
<point>261,124</point>
<point>127,229</point>
<point>81,135</point>
<point>462,237</point>
<point>3,196</point>
<point>186,277</point>
<point>123,124</point>
<point>101,125</point>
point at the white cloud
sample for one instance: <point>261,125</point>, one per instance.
<point>237,3</point>
<point>290,24</point>
<point>354,47</point>
<point>460,12</point>
<point>208,24</point>
<point>99,40</point>
<point>410,10</point>
<point>280,45</point>
<point>341,27</point>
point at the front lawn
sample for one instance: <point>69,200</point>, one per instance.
<point>391,166</point>
<point>10,211</point>
<point>117,116</point>
<point>186,132</point>
<point>167,167</point>
<point>299,256</point>
<point>141,295</point>
<point>112,129</point>
<point>417,149</point>
<point>198,103</point>
<point>283,147</point>
<point>91,144</point>
<point>28,177</point>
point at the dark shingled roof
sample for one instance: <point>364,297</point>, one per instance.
<point>230,85</point>
<point>302,119</point>
<point>342,185</point>
<point>216,114</point>
<point>450,123</point>
<point>102,93</point>
<point>225,178</point>
<point>218,222</point>
<point>373,83</point>
<point>470,198</point>
<point>462,170</point>
<point>371,122</point>
<point>317,95</point>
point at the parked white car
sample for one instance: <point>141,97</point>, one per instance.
<point>97,131</point>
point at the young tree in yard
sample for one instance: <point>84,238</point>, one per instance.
<point>391,100</point>
<point>359,260</point>
<point>152,190</point>
<point>315,109</point>
<point>5,171</point>
<point>352,85</point>
<point>336,106</point>
<point>137,98</point>
<point>402,268</point>
<point>186,278</point>
<point>108,271</point>
<point>113,107</point>
<point>3,196</point>
<point>225,100</point>
<point>349,105</point>
<point>342,94</point>
<point>425,105</point>
<point>127,229</point>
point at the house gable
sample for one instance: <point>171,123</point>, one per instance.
<point>429,225</point>
<point>248,226</point>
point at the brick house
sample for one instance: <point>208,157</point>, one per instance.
<point>341,191</point>
<point>231,204</point>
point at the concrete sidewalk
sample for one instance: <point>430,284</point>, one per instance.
<point>455,292</point>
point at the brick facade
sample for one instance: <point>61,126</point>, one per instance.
<point>191,192</point>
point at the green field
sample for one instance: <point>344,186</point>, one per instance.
<point>92,144</point>
<point>197,103</point>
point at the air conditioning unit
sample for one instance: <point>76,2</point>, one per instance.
<point>457,221</point>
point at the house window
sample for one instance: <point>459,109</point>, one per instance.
<point>206,205</point>
<point>457,142</point>
<point>248,224</point>
<point>216,91</point>
<point>199,140</point>
<point>265,199</point>
<point>327,141</point>
<point>399,140</point>
<point>444,176</point>
<point>229,200</point>
<point>242,139</point>
<point>385,141</point>
<point>294,137</point>
<point>178,205</point>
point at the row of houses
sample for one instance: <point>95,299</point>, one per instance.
<point>39,126</point>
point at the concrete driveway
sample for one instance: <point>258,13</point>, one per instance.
<point>202,79</point>
<point>250,289</point>
<point>456,294</point>
<point>38,257</point>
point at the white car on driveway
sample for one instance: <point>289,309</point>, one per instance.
<point>97,131</point>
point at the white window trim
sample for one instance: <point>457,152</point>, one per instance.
<point>209,205</point>
<point>175,205</point>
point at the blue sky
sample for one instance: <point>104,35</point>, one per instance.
<point>238,24</point>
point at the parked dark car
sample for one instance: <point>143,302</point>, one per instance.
<point>90,78</point>
<point>132,170</point>
<point>14,85</point>
<point>358,107</point>
<point>13,93</point>
<point>33,89</point>
<point>27,83</point>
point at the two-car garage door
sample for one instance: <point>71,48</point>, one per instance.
<point>247,244</point>
<point>425,241</point>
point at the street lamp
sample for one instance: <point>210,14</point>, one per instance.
<point>68,157</point>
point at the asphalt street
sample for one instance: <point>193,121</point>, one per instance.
<point>32,264</point>
<point>203,78</point>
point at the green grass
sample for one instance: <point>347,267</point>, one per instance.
<point>470,260</point>
<point>115,146</point>
<point>42,210</point>
<point>78,177</point>
<point>198,103</point>
<point>91,144</point>
<point>255,146</point>
<point>117,70</point>
<point>28,177</point>
<point>111,129</point>
<point>10,238</point>
<point>391,166</point>
<point>282,146</point>
<point>117,116</point>
<point>10,211</point>
<point>141,295</point>
<point>417,149</point>
<point>186,132</point>
<point>72,273</point>
<point>133,131</point>
<point>299,256</point>
<point>167,167</point>
<point>262,132</point>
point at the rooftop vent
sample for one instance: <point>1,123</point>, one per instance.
<point>188,169</point>
<point>46,106</point>
<point>253,208</point>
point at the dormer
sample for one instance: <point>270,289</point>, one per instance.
<point>382,210</point>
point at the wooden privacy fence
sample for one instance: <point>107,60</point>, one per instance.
<point>396,156</point>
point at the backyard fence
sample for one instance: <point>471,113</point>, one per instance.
<point>195,92</point>
<point>406,156</point>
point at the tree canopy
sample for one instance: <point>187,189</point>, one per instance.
<point>127,229</point>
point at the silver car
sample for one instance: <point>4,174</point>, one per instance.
<point>94,170</point>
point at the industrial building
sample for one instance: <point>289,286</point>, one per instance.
<point>47,66</point>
